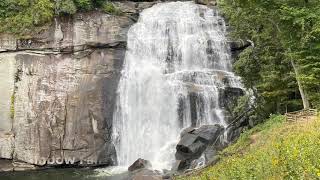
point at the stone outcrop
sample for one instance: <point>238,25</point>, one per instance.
<point>6,145</point>
<point>79,32</point>
<point>237,122</point>
<point>140,164</point>
<point>7,73</point>
<point>237,47</point>
<point>59,87</point>
<point>6,165</point>
<point>206,2</point>
<point>193,142</point>
<point>61,108</point>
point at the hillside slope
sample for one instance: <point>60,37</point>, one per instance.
<point>274,150</point>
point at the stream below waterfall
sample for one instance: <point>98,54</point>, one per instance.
<point>63,174</point>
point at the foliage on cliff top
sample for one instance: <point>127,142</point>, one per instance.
<point>21,17</point>
<point>283,31</point>
<point>18,16</point>
<point>273,150</point>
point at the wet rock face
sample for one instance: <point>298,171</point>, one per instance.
<point>193,142</point>
<point>145,174</point>
<point>228,100</point>
<point>59,89</point>
<point>141,169</point>
<point>140,164</point>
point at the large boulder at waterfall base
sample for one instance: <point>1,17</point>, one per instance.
<point>194,142</point>
<point>140,164</point>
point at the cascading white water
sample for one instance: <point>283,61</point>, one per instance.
<point>176,62</point>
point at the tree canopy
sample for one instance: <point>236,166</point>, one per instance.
<point>285,33</point>
<point>23,16</point>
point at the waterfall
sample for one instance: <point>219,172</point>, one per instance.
<point>177,59</point>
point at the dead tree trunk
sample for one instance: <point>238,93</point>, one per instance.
<point>304,96</point>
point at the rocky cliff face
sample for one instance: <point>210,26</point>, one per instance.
<point>58,89</point>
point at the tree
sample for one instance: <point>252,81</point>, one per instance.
<point>284,65</point>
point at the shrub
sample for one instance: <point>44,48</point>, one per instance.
<point>24,17</point>
<point>84,4</point>
<point>98,3</point>
<point>12,99</point>
<point>21,16</point>
<point>109,8</point>
<point>65,7</point>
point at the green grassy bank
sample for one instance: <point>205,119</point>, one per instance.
<point>273,150</point>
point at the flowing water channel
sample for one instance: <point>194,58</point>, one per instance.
<point>177,59</point>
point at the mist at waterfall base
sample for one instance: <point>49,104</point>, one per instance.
<point>177,59</point>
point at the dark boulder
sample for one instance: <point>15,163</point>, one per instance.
<point>186,131</point>
<point>239,45</point>
<point>206,2</point>
<point>180,165</point>
<point>140,164</point>
<point>190,146</point>
<point>238,125</point>
<point>208,133</point>
<point>194,142</point>
<point>229,97</point>
<point>229,100</point>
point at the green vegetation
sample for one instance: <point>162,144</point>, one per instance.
<point>66,7</point>
<point>23,17</point>
<point>273,150</point>
<point>12,99</point>
<point>283,66</point>
<point>109,8</point>
<point>19,16</point>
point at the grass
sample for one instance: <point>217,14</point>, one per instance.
<point>273,150</point>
